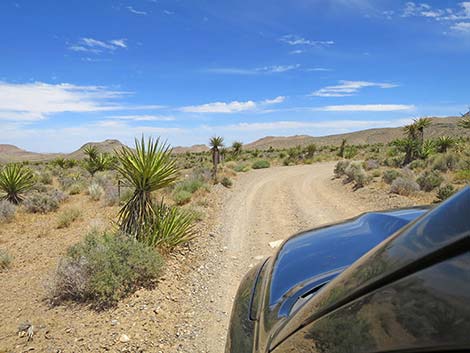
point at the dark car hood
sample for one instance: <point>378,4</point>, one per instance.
<point>311,259</point>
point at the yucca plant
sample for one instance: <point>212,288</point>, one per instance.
<point>148,168</point>
<point>216,143</point>
<point>237,148</point>
<point>171,227</point>
<point>15,179</point>
<point>443,143</point>
<point>465,121</point>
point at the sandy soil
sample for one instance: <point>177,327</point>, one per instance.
<point>190,308</point>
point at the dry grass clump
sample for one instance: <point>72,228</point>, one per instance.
<point>95,191</point>
<point>67,217</point>
<point>7,211</point>
<point>104,268</point>
<point>5,260</point>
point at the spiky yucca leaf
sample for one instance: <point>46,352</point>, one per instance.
<point>171,227</point>
<point>147,168</point>
<point>15,179</point>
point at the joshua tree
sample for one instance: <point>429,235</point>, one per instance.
<point>341,148</point>
<point>409,146</point>
<point>91,151</point>
<point>147,168</point>
<point>216,143</point>
<point>311,149</point>
<point>420,125</point>
<point>443,143</point>
<point>237,148</point>
<point>15,179</point>
<point>465,120</point>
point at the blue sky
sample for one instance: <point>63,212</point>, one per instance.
<point>85,70</point>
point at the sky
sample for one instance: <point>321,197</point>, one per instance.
<point>84,70</point>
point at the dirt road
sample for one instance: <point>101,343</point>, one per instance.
<point>265,206</point>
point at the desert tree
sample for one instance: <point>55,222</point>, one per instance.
<point>15,180</point>
<point>216,143</point>
<point>311,149</point>
<point>148,168</point>
<point>341,148</point>
<point>421,124</point>
<point>237,147</point>
<point>443,143</point>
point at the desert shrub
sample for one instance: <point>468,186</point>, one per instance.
<point>404,186</point>
<point>260,164</point>
<point>226,182</point>
<point>390,175</point>
<point>67,217</point>
<point>350,152</point>
<point>394,162</point>
<point>44,177</point>
<point>356,173</point>
<point>75,189</point>
<point>7,211</point>
<point>429,180</point>
<point>126,195</point>
<point>171,227</point>
<point>182,197</point>
<point>242,168</point>
<point>444,192</point>
<point>15,180</point>
<point>5,260</point>
<point>104,268</point>
<point>445,162</point>
<point>111,196</point>
<point>340,168</point>
<point>417,164</point>
<point>371,164</point>
<point>95,191</point>
<point>44,202</point>
<point>376,173</point>
<point>462,176</point>
<point>191,185</point>
<point>40,187</point>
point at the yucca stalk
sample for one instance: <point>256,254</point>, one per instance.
<point>15,179</point>
<point>147,168</point>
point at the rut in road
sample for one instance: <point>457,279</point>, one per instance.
<point>265,206</point>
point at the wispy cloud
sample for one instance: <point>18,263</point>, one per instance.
<point>461,27</point>
<point>136,12</point>
<point>37,101</point>
<point>273,69</point>
<point>231,107</point>
<point>142,117</point>
<point>295,40</point>
<point>91,45</point>
<point>366,108</point>
<point>348,88</point>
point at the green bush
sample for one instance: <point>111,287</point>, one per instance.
<point>429,180</point>
<point>242,167</point>
<point>182,197</point>
<point>403,186</point>
<point>462,176</point>
<point>44,177</point>
<point>104,268</point>
<point>67,217</point>
<point>7,211</point>
<point>191,185</point>
<point>260,164</point>
<point>44,202</point>
<point>356,173</point>
<point>376,173</point>
<point>5,260</point>
<point>340,168</point>
<point>226,182</point>
<point>75,189</point>
<point>445,162</point>
<point>390,175</point>
<point>444,192</point>
<point>417,164</point>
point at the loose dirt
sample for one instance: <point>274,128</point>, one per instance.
<point>190,308</point>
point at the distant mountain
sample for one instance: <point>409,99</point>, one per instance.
<point>440,127</point>
<point>194,148</point>
<point>106,146</point>
<point>10,153</point>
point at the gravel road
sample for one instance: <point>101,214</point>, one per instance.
<point>266,206</point>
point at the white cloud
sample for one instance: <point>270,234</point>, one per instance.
<point>292,39</point>
<point>272,69</point>
<point>461,27</point>
<point>348,88</point>
<point>231,107</point>
<point>412,9</point>
<point>365,108</point>
<point>36,101</point>
<point>142,117</point>
<point>91,45</point>
<point>136,12</point>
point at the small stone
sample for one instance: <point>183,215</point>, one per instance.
<point>124,338</point>
<point>276,244</point>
